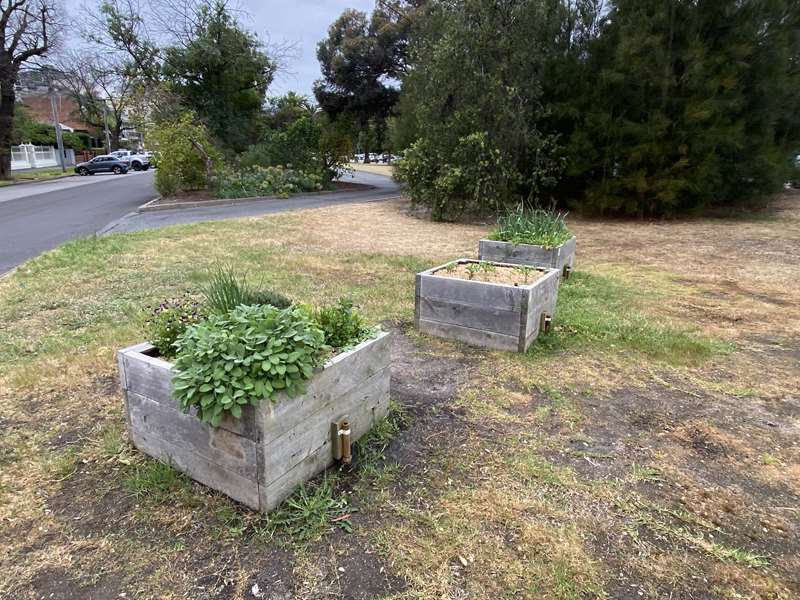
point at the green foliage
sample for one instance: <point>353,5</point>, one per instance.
<point>227,289</point>
<point>266,181</point>
<point>168,320</point>
<point>476,85</point>
<point>310,513</point>
<point>155,481</point>
<point>29,131</point>
<point>370,449</point>
<point>356,59</point>
<point>222,74</point>
<point>626,107</point>
<point>185,157</point>
<point>342,324</point>
<point>247,355</point>
<point>301,138</point>
<point>600,312</point>
<point>538,227</point>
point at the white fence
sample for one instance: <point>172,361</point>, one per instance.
<point>28,156</point>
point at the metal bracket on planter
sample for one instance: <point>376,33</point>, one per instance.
<point>545,322</point>
<point>340,440</point>
<point>567,271</point>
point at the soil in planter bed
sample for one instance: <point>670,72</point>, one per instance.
<point>500,274</point>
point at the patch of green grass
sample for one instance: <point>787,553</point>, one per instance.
<point>155,481</point>
<point>645,473</point>
<point>21,176</point>
<point>88,255</point>
<point>536,468</point>
<point>63,465</point>
<point>310,513</point>
<point>370,449</point>
<point>598,312</point>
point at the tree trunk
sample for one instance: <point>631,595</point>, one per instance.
<point>8,77</point>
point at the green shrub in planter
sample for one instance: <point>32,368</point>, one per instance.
<point>242,357</point>
<point>342,324</point>
<point>538,227</point>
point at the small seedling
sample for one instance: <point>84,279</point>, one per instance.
<point>451,267</point>
<point>487,267</point>
<point>472,269</point>
<point>526,271</point>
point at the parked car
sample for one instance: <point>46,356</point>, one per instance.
<point>105,163</point>
<point>137,162</point>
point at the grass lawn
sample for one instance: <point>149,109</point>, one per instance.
<point>40,175</point>
<point>648,447</point>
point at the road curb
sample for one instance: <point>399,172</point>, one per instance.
<point>152,205</point>
<point>33,181</point>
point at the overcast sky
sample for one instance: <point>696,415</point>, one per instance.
<point>301,23</point>
<point>304,23</point>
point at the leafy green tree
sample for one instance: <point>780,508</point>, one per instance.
<point>357,59</point>
<point>222,74</point>
<point>476,85</point>
<point>29,131</point>
<point>185,156</point>
<point>686,105</point>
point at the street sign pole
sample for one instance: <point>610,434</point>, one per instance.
<point>57,125</point>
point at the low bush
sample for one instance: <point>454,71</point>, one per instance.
<point>169,319</point>
<point>342,324</point>
<point>242,357</point>
<point>226,290</point>
<point>185,157</point>
<point>266,181</point>
<point>538,227</point>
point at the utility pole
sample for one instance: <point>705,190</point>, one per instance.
<point>56,123</point>
<point>105,123</point>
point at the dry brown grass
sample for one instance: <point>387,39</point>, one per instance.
<point>591,471</point>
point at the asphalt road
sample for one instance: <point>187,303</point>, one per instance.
<point>35,217</point>
<point>39,216</point>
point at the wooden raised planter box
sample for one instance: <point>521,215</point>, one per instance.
<point>261,458</point>
<point>561,257</point>
<point>493,315</point>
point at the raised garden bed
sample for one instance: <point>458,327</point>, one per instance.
<point>561,257</point>
<point>490,304</point>
<point>260,458</point>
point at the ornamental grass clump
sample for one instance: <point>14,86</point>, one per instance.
<point>244,356</point>
<point>227,289</point>
<point>537,227</point>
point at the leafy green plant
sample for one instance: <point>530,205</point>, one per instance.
<point>244,356</point>
<point>267,181</point>
<point>227,289</point>
<point>472,270</point>
<point>342,324</point>
<point>451,267</point>
<point>526,271</point>
<point>169,319</point>
<point>487,267</point>
<point>184,155</point>
<point>538,227</point>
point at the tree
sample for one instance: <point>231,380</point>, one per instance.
<point>26,31</point>
<point>688,106</point>
<point>476,88</point>
<point>358,58</point>
<point>222,73</point>
<point>101,87</point>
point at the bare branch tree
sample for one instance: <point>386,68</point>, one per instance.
<point>28,30</point>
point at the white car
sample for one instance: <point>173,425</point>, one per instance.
<point>137,162</point>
